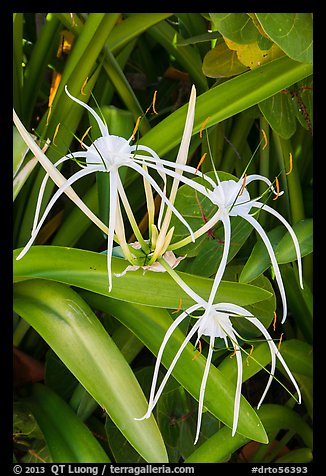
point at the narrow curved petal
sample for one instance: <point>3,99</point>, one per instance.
<point>252,177</point>
<point>154,398</point>
<point>237,397</point>
<point>59,192</point>
<point>102,126</point>
<point>290,230</point>
<point>271,253</point>
<point>185,168</point>
<point>203,386</point>
<point>55,174</point>
<point>140,170</point>
<point>274,353</point>
<point>219,274</point>
<point>43,185</point>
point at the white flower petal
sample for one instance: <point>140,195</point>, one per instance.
<point>154,398</point>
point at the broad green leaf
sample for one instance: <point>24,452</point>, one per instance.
<point>67,438</point>
<point>252,55</point>
<point>238,27</point>
<point>274,417</point>
<point>221,62</point>
<point>150,325</point>
<point>292,32</point>
<point>88,270</point>
<point>279,111</point>
<point>88,351</point>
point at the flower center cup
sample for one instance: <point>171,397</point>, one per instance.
<point>108,151</point>
<point>229,197</point>
<point>216,324</point>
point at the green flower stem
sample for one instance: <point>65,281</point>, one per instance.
<point>264,160</point>
<point>174,275</point>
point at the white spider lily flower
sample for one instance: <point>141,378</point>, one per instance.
<point>106,154</point>
<point>215,323</point>
<point>233,199</point>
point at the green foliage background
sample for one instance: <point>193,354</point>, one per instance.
<point>97,350</point>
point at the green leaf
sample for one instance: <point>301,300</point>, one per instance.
<point>285,251</point>
<point>221,62</point>
<point>150,326</point>
<point>238,27</point>
<point>283,247</point>
<point>274,417</point>
<point>67,438</point>
<point>87,350</point>
<point>279,111</point>
<point>300,455</point>
<point>88,270</point>
<point>292,32</point>
<point>232,97</point>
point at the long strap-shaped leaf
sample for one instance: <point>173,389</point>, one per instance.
<point>228,99</point>
<point>88,270</point>
<point>67,437</point>
<point>150,326</point>
<point>75,334</point>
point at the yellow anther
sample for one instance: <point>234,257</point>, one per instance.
<point>203,127</point>
<point>200,162</point>
<point>200,349</point>
<point>153,104</point>
<point>277,184</point>
<point>54,87</point>
<point>280,341</point>
<point>85,134</point>
<point>82,88</point>
<point>55,133</point>
<point>243,184</point>
<point>274,321</point>
<point>265,139</point>
<point>290,170</point>
<point>179,307</point>
<point>250,353</point>
<point>234,352</point>
<point>154,101</point>
<point>136,127</point>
